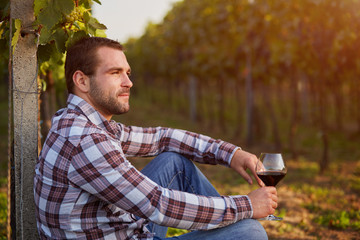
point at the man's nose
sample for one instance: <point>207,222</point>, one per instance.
<point>127,82</point>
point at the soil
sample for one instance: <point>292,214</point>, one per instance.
<point>297,222</point>
<point>329,192</point>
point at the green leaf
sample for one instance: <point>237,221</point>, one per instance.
<point>100,33</point>
<point>4,30</point>
<point>64,6</point>
<point>95,24</point>
<point>44,52</point>
<point>60,40</point>
<point>75,37</point>
<point>15,38</point>
<point>92,25</point>
<point>48,17</point>
<point>56,58</point>
<point>39,5</point>
<point>97,1</point>
<point>86,17</point>
<point>49,53</point>
<point>44,85</point>
<point>3,45</point>
<point>76,25</point>
<point>45,35</point>
<point>86,3</point>
<point>91,30</point>
<point>4,10</point>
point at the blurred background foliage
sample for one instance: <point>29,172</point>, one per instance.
<point>274,72</point>
<point>268,75</point>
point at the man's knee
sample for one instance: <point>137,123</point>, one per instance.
<point>175,159</point>
<point>253,229</point>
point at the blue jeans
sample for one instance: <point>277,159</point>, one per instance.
<point>172,170</point>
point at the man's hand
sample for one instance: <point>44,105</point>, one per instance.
<point>243,160</point>
<point>264,201</point>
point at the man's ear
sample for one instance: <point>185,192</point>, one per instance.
<point>81,81</point>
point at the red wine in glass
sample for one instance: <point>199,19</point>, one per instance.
<point>271,168</point>
<point>271,178</point>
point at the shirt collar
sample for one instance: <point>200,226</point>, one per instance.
<point>78,104</point>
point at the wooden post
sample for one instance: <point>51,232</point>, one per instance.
<point>193,97</point>
<point>249,99</point>
<point>25,113</point>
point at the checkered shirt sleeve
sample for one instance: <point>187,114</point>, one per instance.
<point>99,168</point>
<point>138,141</point>
<point>85,188</point>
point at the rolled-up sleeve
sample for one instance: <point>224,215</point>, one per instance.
<point>137,141</point>
<point>99,168</point>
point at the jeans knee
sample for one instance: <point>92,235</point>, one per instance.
<point>175,159</point>
<point>255,229</point>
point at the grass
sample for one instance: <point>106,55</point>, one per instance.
<point>3,214</point>
<point>323,205</point>
<point>313,206</point>
<point>339,219</point>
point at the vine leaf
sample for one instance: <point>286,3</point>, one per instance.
<point>49,17</point>
<point>50,14</point>
<point>92,24</point>
<point>88,2</point>
<point>97,1</point>
<point>95,24</point>
<point>45,35</point>
<point>4,10</point>
<point>60,40</point>
<point>39,5</point>
<point>50,54</point>
<point>64,6</point>
<point>15,38</point>
<point>75,37</point>
<point>45,52</point>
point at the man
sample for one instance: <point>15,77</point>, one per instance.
<point>85,188</point>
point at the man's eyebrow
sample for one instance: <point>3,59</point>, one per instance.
<point>118,69</point>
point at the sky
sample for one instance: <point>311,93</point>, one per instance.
<point>129,18</point>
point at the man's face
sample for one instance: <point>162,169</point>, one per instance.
<point>110,85</point>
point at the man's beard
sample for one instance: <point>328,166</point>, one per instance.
<point>107,103</point>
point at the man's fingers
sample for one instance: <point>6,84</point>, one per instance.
<point>272,190</point>
<point>261,184</point>
<point>264,201</point>
<point>274,197</point>
<point>274,205</point>
<point>246,176</point>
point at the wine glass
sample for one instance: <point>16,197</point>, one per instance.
<point>271,168</point>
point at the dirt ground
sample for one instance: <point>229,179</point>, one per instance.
<point>304,196</point>
<point>299,204</point>
<point>297,222</point>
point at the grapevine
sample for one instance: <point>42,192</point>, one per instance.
<point>76,15</point>
<point>75,20</point>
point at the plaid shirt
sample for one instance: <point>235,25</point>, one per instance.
<point>85,188</point>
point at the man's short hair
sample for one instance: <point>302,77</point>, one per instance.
<point>82,56</point>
